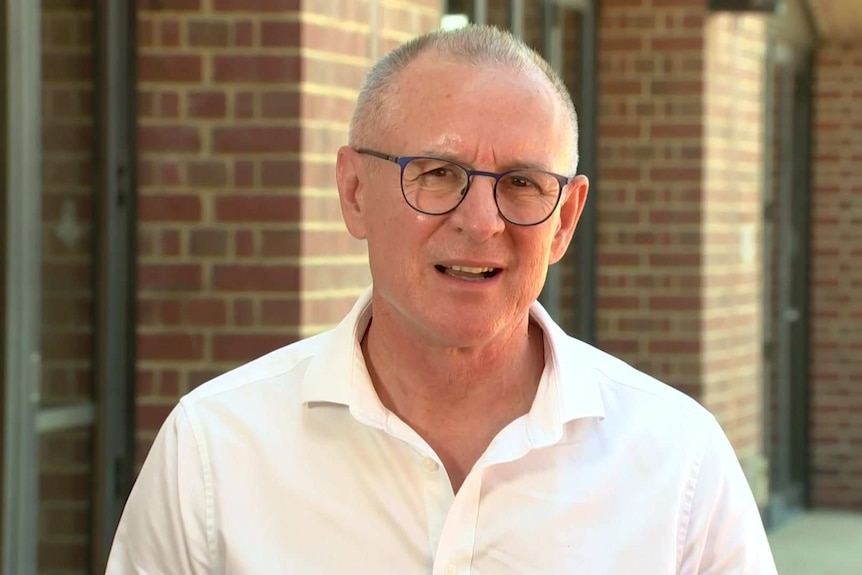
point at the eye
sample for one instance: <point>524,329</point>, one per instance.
<point>441,172</point>
<point>521,181</point>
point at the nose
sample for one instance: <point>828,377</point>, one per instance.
<point>477,215</point>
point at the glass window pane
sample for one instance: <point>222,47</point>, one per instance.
<point>67,202</point>
<point>65,486</point>
<point>66,457</point>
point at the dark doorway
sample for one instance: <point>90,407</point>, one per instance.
<point>787,263</point>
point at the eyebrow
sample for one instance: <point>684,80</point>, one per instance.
<point>506,167</point>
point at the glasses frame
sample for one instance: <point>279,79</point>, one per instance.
<point>402,162</point>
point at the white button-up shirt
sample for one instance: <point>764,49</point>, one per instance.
<point>291,465</point>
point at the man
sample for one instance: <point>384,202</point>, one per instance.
<point>447,425</point>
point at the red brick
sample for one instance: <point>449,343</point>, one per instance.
<point>206,312</point>
<point>146,35</point>
<point>676,87</point>
<point>168,5</point>
<point>170,312</point>
<point>243,174</point>
<point>256,69</point>
<point>170,243</point>
<point>621,88</point>
<point>676,174</point>
<point>167,347</point>
<point>169,276</point>
<point>182,68</point>
<point>244,312</point>
<point>244,34</point>
<point>245,244</point>
<point>168,139</point>
<point>693,43</point>
<point>169,208</point>
<point>280,173</point>
<point>169,33</point>
<point>281,243</point>
<point>169,383</point>
<point>257,5</point>
<point>280,105</point>
<point>206,174</point>
<point>203,33</point>
<point>624,44</point>
<point>285,33</point>
<point>146,104</point>
<point>169,104</point>
<point>257,208</point>
<point>244,105</point>
<point>278,312</point>
<point>256,139</point>
<point>207,104</point>
<point>208,243</point>
<point>256,278</point>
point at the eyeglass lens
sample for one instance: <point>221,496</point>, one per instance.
<point>436,186</point>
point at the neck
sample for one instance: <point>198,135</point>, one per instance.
<point>423,383</point>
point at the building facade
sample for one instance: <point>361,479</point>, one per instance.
<point>169,211</point>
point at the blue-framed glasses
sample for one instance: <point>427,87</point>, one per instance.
<point>436,186</point>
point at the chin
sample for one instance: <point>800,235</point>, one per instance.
<point>464,332</point>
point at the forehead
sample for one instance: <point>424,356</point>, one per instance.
<point>477,111</point>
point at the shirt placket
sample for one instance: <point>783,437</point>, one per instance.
<point>457,540</point>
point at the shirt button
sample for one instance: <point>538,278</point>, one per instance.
<point>451,570</point>
<point>431,465</point>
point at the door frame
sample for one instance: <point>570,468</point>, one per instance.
<point>115,358</point>
<point>23,276</point>
<point>787,343</point>
<point>112,411</point>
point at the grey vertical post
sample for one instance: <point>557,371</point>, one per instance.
<point>551,293</point>
<point>588,226</point>
<point>767,243</point>
<point>516,18</point>
<point>115,361</point>
<point>480,11</point>
<point>23,281</point>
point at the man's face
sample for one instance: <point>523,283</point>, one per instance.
<point>491,119</point>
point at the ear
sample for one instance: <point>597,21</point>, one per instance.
<point>574,197</point>
<point>351,188</point>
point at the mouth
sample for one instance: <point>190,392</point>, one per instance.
<point>469,273</point>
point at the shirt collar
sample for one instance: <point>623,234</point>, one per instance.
<point>331,373</point>
<point>570,387</point>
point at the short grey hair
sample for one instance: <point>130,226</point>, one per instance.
<point>475,45</point>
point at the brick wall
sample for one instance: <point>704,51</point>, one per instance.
<point>243,104</point>
<point>680,156</point>
<point>836,296</point>
<point>650,139</point>
<point>67,290</point>
<point>731,321</point>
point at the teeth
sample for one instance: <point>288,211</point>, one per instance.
<point>470,270</point>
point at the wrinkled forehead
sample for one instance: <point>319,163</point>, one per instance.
<point>438,102</point>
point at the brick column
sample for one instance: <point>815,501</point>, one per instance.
<point>836,290</point>
<point>243,104</point>
<point>680,161</point>
<point>732,264</point>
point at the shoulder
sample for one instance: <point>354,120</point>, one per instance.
<point>282,367</point>
<point>640,415</point>
<point>623,385</point>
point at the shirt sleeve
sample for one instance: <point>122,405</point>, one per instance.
<point>163,528</point>
<point>723,533</point>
